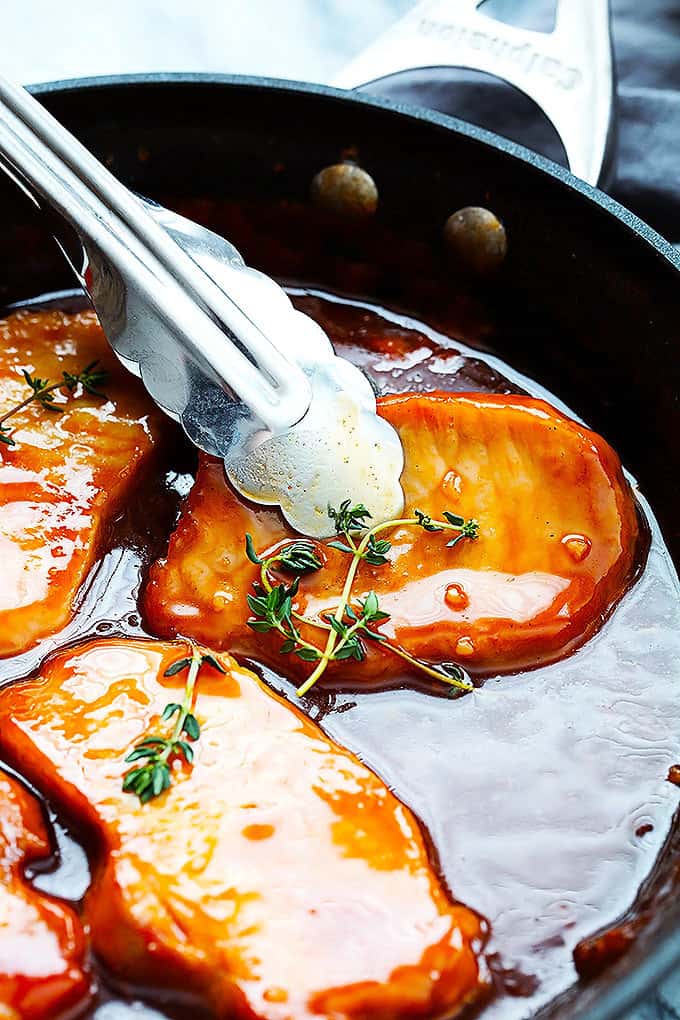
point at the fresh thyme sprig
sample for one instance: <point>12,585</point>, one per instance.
<point>157,752</point>
<point>349,517</point>
<point>466,529</point>
<point>352,623</point>
<point>43,392</point>
<point>272,609</point>
<point>295,557</point>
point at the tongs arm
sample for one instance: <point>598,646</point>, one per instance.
<point>216,334</point>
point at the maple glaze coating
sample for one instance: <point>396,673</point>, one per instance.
<point>67,472</point>
<point>277,878</point>
<point>42,944</point>
<point>558,534</point>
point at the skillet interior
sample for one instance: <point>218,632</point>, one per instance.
<point>585,304</point>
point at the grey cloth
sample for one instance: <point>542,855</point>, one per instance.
<point>647,48</point>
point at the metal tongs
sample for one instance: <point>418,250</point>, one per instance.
<point>217,344</point>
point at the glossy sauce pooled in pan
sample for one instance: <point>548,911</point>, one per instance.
<point>543,794</point>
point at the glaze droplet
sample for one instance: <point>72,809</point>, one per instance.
<point>465,647</point>
<point>452,484</point>
<point>275,995</point>
<point>221,600</point>
<point>456,597</point>
<point>258,832</point>
<point>578,546</point>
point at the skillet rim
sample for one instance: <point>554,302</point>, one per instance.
<point>611,994</point>
<point>518,152</point>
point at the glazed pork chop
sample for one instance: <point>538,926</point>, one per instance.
<point>556,549</point>
<point>64,469</point>
<point>277,877</point>
<point>42,944</point>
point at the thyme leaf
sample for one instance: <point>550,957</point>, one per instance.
<point>341,547</point>
<point>299,558</point>
<point>250,551</point>
<point>376,550</point>
<point>425,521</point>
<point>349,518</point>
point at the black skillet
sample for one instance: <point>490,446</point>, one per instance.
<point>586,303</point>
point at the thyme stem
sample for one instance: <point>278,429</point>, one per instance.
<point>151,774</point>
<point>29,400</point>
<point>188,699</point>
<point>331,640</point>
<point>424,667</point>
<point>338,616</point>
<point>349,625</point>
<point>268,587</point>
<point>42,391</point>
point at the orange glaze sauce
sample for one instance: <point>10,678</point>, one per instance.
<point>544,794</point>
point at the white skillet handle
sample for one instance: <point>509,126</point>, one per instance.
<point>567,72</point>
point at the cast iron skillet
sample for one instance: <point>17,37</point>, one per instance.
<point>587,303</point>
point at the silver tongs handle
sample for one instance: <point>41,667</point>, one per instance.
<point>568,72</point>
<point>217,336</point>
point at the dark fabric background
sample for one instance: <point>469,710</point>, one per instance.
<point>647,50</point>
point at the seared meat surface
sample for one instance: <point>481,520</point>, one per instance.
<point>67,471</point>
<point>556,549</point>
<point>277,877</point>
<point>42,944</point>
